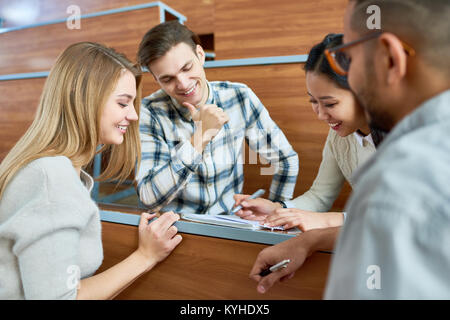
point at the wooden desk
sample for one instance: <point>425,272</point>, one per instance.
<point>204,267</point>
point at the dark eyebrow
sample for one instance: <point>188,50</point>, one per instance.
<point>169,76</point>
<point>326,97</point>
<point>321,98</point>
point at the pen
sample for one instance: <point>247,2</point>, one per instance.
<point>257,194</point>
<point>276,267</point>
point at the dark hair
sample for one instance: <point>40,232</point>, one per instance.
<point>317,62</point>
<point>161,38</point>
<point>423,24</point>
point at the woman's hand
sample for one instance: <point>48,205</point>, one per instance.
<point>158,238</point>
<point>156,242</point>
<point>254,209</point>
<point>304,220</point>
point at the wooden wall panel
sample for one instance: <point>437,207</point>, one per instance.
<point>20,99</point>
<point>199,13</point>
<point>36,49</point>
<point>208,268</point>
<point>245,28</point>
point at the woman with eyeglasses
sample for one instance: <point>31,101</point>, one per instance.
<point>349,144</point>
<point>50,231</point>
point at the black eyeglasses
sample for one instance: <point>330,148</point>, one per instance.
<point>340,61</point>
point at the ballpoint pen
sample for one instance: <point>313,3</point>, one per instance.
<point>257,194</point>
<point>276,267</point>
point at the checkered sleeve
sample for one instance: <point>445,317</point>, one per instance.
<point>267,139</point>
<point>164,169</point>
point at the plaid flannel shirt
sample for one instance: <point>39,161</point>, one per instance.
<point>173,176</point>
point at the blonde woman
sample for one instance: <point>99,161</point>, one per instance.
<point>49,226</point>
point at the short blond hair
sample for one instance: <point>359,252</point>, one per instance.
<point>68,116</point>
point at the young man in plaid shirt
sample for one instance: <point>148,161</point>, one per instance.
<point>192,131</point>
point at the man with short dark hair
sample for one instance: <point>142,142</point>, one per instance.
<point>192,131</point>
<point>394,243</point>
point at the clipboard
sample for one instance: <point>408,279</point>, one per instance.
<point>227,220</point>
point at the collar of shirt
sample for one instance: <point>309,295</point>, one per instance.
<point>184,111</point>
<point>360,138</point>
<point>434,110</point>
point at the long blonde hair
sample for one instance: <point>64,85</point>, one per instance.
<point>68,116</point>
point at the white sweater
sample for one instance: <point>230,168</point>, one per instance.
<point>50,231</point>
<point>340,158</point>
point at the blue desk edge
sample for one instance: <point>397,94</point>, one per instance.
<point>257,236</point>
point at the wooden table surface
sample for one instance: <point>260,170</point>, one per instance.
<point>204,267</point>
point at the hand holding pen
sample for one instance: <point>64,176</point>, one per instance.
<point>280,265</point>
<point>257,194</point>
<point>268,276</point>
<point>295,249</point>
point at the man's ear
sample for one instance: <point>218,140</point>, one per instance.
<point>200,54</point>
<point>395,60</point>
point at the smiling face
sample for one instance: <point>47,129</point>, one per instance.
<point>119,110</point>
<point>181,75</point>
<point>334,105</point>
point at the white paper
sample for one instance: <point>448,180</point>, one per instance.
<point>227,220</point>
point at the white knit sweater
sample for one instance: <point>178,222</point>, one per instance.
<point>50,231</point>
<point>340,158</point>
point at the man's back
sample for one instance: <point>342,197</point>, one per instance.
<point>394,244</point>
